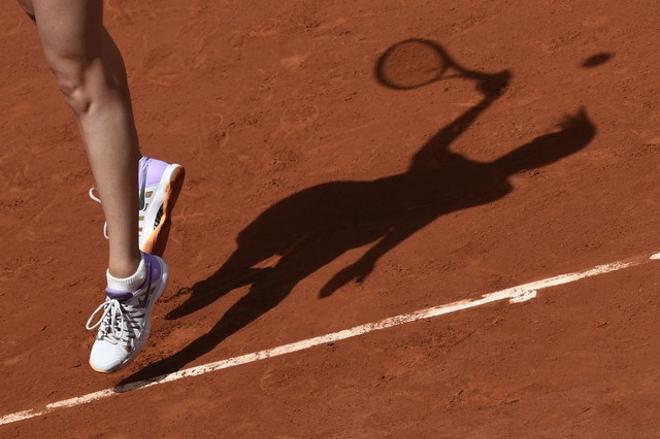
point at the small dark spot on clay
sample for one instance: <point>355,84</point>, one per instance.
<point>597,59</point>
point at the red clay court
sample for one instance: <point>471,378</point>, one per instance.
<point>348,165</point>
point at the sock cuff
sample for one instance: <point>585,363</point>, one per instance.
<point>130,283</point>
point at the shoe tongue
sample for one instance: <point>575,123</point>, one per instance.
<point>118,294</point>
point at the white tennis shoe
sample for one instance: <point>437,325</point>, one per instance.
<point>124,324</point>
<point>159,184</point>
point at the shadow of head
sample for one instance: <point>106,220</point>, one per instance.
<point>574,132</point>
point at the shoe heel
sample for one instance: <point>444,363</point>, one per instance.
<point>157,242</point>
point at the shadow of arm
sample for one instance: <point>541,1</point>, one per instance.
<point>362,268</point>
<point>492,87</point>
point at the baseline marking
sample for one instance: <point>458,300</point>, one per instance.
<point>520,293</point>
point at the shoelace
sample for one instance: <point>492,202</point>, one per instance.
<point>94,197</point>
<point>113,321</point>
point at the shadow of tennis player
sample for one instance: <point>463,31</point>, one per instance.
<point>310,228</point>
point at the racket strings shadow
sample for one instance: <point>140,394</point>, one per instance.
<point>311,228</point>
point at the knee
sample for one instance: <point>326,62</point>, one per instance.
<point>83,82</point>
<point>71,83</point>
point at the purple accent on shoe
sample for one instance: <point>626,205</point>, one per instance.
<point>155,170</point>
<point>118,294</point>
<point>153,267</point>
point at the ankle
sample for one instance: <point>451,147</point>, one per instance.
<point>124,267</point>
<point>128,276</point>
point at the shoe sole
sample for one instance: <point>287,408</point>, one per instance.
<point>142,341</point>
<point>157,240</point>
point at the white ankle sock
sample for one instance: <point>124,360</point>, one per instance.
<point>130,283</point>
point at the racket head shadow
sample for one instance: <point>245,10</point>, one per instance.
<point>411,63</point>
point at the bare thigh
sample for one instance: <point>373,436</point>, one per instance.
<point>72,36</point>
<point>69,29</point>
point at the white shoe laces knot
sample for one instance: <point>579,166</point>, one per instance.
<point>113,321</point>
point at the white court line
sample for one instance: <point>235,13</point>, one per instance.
<point>517,294</point>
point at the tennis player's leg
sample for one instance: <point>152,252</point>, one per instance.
<point>91,75</point>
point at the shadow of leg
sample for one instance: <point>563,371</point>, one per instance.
<point>270,287</point>
<point>234,273</point>
<point>265,294</point>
